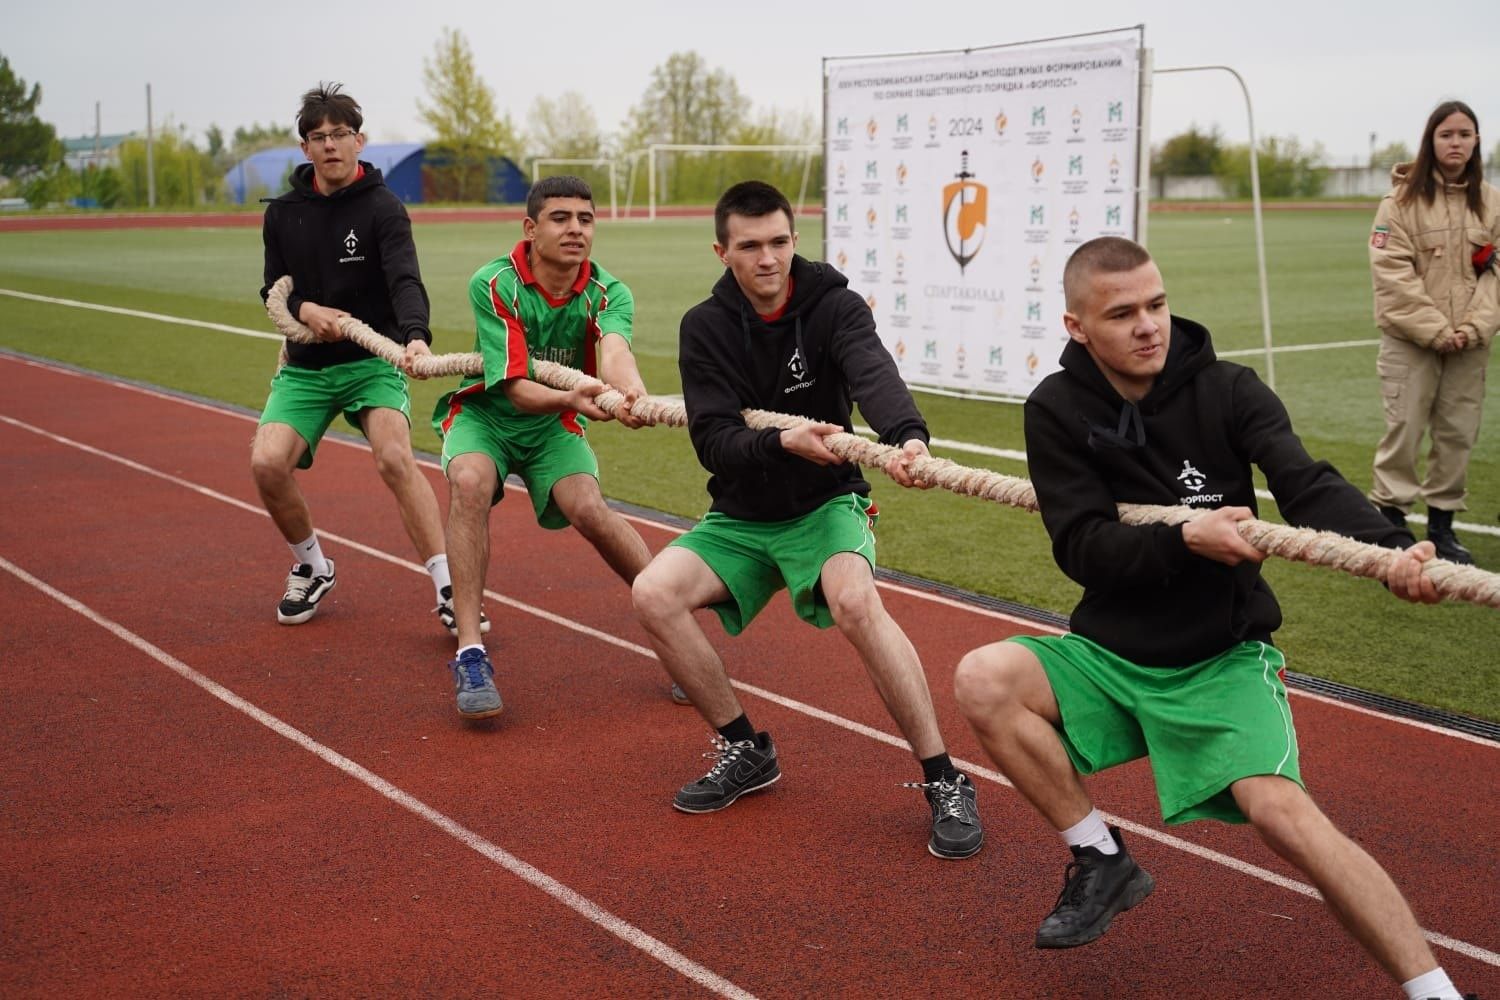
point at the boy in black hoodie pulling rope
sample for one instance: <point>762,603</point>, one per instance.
<point>1170,653</point>
<point>783,333</point>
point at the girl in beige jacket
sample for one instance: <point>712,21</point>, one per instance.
<point>1437,303</point>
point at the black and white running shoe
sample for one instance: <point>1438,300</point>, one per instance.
<point>303,592</point>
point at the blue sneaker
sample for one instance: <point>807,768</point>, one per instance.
<point>474,685</point>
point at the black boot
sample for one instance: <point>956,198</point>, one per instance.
<point>1440,533</point>
<point>1395,515</point>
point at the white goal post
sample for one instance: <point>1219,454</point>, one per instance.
<point>808,152</point>
<point>606,162</point>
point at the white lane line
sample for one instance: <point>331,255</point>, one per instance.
<point>138,314</point>
<point>1329,345</point>
<point>971,767</point>
<point>660,526</point>
<point>578,903</point>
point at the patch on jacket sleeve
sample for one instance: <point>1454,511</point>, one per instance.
<point>1379,236</point>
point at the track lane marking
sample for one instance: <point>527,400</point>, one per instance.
<point>1465,948</point>
<point>533,876</point>
<point>673,529</point>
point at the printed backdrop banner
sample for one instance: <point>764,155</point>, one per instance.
<point>958,185</point>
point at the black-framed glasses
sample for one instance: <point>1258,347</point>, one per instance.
<point>337,135</point>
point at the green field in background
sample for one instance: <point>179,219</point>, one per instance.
<point>1337,627</point>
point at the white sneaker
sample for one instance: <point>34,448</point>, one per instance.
<point>445,614</point>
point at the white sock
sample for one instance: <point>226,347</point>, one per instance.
<point>1434,985</point>
<point>311,553</point>
<point>437,568</point>
<point>1091,831</point>
<point>478,645</point>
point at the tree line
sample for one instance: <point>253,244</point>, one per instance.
<point>1288,169</point>
<point>686,101</point>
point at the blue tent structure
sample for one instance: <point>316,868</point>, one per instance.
<point>402,164</point>
<point>265,174</point>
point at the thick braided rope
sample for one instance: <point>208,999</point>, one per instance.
<point>1320,548</point>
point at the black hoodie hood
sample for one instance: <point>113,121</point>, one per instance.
<point>817,359</point>
<point>302,184</point>
<point>1191,441</point>
<point>1189,351</point>
<point>350,250</point>
<point>811,280</point>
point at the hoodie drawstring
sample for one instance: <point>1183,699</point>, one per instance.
<point>1131,426</point>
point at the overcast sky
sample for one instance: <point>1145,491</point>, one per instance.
<point>1323,72</point>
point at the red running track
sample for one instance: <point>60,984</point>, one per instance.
<point>199,801</point>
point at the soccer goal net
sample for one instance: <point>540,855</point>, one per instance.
<point>600,173</point>
<point>691,174</point>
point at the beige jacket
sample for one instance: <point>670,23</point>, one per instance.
<point>1422,269</point>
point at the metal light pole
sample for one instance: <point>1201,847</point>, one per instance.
<point>150,160</point>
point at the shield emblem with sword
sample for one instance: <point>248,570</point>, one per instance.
<point>965,211</point>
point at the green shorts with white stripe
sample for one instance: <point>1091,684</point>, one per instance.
<point>1204,726</point>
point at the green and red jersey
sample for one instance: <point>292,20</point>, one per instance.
<point>516,320</point>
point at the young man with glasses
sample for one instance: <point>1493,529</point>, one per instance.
<point>346,241</point>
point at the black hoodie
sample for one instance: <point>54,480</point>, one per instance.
<point>815,360</point>
<point>350,250</point>
<point>1191,440</point>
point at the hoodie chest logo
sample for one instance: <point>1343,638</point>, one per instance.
<point>1194,481</point>
<point>351,249</point>
<point>798,369</point>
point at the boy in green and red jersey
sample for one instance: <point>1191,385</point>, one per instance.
<point>546,299</point>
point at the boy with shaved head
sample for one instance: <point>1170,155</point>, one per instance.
<point>1170,655</point>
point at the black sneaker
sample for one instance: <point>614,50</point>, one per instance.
<point>303,592</point>
<point>680,696</point>
<point>1096,887</point>
<point>956,832</point>
<point>741,767</point>
<point>445,614</point>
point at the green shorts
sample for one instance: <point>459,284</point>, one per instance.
<point>307,399</point>
<point>1204,726</point>
<point>539,447</point>
<point>757,558</point>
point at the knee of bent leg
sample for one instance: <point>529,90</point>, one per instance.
<point>1281,812</point>
<point>590,517</point>
<point>855,608</point>
<point>989,679</point>
<point>470,484</point>
<point>393,462</point>
<point>652,596</point>
<point>268,468</point>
